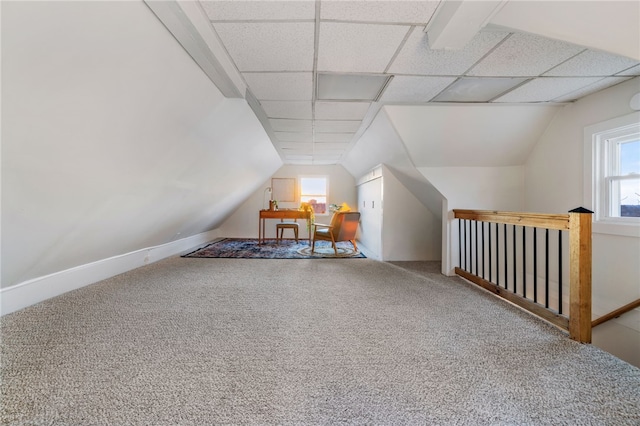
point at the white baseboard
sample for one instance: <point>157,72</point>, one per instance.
<point>36,290</point>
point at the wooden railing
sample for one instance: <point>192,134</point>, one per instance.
<point>498,258</point>
<point>615,314</point>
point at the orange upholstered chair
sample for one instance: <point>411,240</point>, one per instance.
<point>343,227</point>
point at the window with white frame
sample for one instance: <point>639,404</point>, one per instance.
<point>614,181</point>
<point>313,190</point>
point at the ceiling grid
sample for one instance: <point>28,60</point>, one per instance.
<point>321,68</point>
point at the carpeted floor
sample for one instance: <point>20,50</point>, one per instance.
<point>248,248</point>
<point>234,341</point>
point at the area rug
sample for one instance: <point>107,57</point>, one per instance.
<point>243,248</point>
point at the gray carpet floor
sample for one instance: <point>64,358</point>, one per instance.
<point>340,341</point>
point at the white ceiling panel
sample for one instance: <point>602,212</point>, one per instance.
<point>631,71</point>
<point>319,70</point>
<point>592,88</point>
<point>592,63</point>
<point>416,57</point>
<point>323,162</point>
<point>546,89</point>
<point>610,26</point>
<point>350,86</point>
<point>327,152</point>
<point>287,109</point>
<point>284,125</point>
<point>341,110</point>
<point>477,89</point>
<point>333,137</point>
<point>294,136</point>
<point>219,10</point>
<point>321,146</point>
<point>335,126</point>
<point>299,146</point>
<point>414,89</point>
<point>328,159</point>
<point>524,55</point>
<point>269,46</point>
<point>281,86</point>
<point>417,12</point>
<point>358,47</point>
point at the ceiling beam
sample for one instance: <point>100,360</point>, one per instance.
<point>455,23</point>
<point>188,24</point>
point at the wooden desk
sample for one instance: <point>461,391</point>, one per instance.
<point>280,214</point>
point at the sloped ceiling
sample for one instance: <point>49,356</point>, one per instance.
<point>470,135</point>
<point>288,52</point>
<point>382,144</point>
<point>113,140</point>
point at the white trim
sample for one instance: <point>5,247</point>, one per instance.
<point>591,172</point>
<point>38,289</point>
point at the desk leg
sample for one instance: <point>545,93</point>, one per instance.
<point>260,226</point>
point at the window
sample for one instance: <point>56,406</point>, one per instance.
<point>612,174</point>
<point>313,190</point>
<point>622,176</point>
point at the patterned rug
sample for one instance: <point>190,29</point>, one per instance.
<point>243,248</point>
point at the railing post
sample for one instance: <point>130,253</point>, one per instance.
<point>580,275</point>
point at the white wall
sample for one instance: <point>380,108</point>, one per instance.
<point>381,144</point>
<point>243,223</point>
<point>113,139</point>
<point>410,231</point>
<point>482,188</point>
<point>554,183</point>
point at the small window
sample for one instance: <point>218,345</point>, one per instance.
<point>313,190</point>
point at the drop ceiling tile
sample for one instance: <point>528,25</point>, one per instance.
<point>631,71</point>
<point>281,86</point>
<point>414,89</point>
<point>418,12</point>
<point>284,125</point>
<point>546,89</point>
<point>287,109</point>
<point>327,152</point>
<point>322,162</point>
<point>336,126</point>
<point>321,146</point>
<point>592,88</point>
<point>523,55</point>
<point>288,146</point>
<point>294,136</point>
<point>269,46</point>
<point>350,87</point>
<point>347,47</point>
<point>592,63</point>
<point>341,110</point>
<point>326,158</point>
<point>477,89</point>
<point>333,137</point>
<point>218,10</point>
<point>416,57</point>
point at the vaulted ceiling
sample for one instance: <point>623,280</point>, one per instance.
<point>319,71</point>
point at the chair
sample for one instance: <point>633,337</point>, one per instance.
<point>343,228</point>
<point>280,227</point>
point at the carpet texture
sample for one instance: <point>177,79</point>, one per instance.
<point>235,341</point>
<point>243,248</point>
